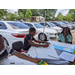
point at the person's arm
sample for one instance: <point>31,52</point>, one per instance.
<point>22,56</point>
<point>59,41</point>
<point>70,42</point>
<point>66,41</point>
<point>41,41</point>
<point>37,45</point>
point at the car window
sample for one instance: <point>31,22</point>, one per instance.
<point>45,24</point>
<point>2,26</point>
<point>63,23</point>
<point>37,25</point>
<point>17,25</point>
<point>67,22</point>
<point>42,24</point>
<point>59,23</point>
<point>30,25</point>
<point>53,25</point>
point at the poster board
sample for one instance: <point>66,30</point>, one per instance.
<point>41,52</point>
<point>63,46</point>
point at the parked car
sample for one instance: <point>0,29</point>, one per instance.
<point>51,25</point>
<point>66,22</point>
<point>73,23</point>
<point>43,33</point>
<point>58,24</point>
<point>69,26</point>
<point>13,31</point>
<point>21,21</point>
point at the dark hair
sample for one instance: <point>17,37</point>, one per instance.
<point>68,31</point>
<point>32,29</point>
<point>1,35</point>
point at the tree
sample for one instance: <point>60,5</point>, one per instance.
<point>50,13</point>
<point>35,12</point>
<point>68,18</point>
<point>28,13</point>
<point>60,17</point>
<point>72,13</point>
<point>21,15</point>
<point>23,11</point>
<point>3,12</point>
<point>11,17</point>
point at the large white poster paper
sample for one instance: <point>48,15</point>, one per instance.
<point>40,52</point>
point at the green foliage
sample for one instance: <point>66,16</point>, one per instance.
<point>60,17</point>
<point>22,11</point>
<point>3,12</point>
<point>11,17</point>
<point>50,13</point>
<point>21,15</point>
<point>28,13</point>
<point>68,18</point>
<point>35,12</point>
<point>72,13</point>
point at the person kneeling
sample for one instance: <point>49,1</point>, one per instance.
<point>28,40</point>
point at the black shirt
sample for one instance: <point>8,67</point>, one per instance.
<point>27,45</point>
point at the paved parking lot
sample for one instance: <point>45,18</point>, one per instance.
<point>73,35</point>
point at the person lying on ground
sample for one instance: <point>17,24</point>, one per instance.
<point>65,36</point>
<point>6,50</point>
<point>28,40</point>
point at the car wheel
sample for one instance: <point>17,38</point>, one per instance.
<point>6,42</point>
<point>42,37</point>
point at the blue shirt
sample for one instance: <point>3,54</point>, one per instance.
<point>62,38</point>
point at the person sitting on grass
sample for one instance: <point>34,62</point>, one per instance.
<point>28,40</point>
<point>6,50</point>
<point>65,36</point>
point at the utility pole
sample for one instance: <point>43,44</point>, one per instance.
<point>45,20</point>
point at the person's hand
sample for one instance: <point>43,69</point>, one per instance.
<point>47,42</point>
<point>36,61</point>
<point>46,45</point>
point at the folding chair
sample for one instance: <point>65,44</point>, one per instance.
<point>17,46</point>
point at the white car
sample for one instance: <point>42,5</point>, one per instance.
<point>13,31</point>
<point>51,25</point>
<point>43,33</point>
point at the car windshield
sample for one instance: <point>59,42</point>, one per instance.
<point>53,25</point>
<point>37,25</point>
<point>17,25</point>
<point>60,23</point>
<point>67,22</point>
<point>63,23</point>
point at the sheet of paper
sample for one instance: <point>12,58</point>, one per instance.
<point>67,56</point>
<point>62,44</point>
<point>13,60</point>
<point>40,52</point>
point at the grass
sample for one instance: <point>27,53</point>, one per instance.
<point>74,52</point>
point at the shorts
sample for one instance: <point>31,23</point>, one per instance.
<point>24,51</point>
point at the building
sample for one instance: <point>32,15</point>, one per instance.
<point>37,19</point>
